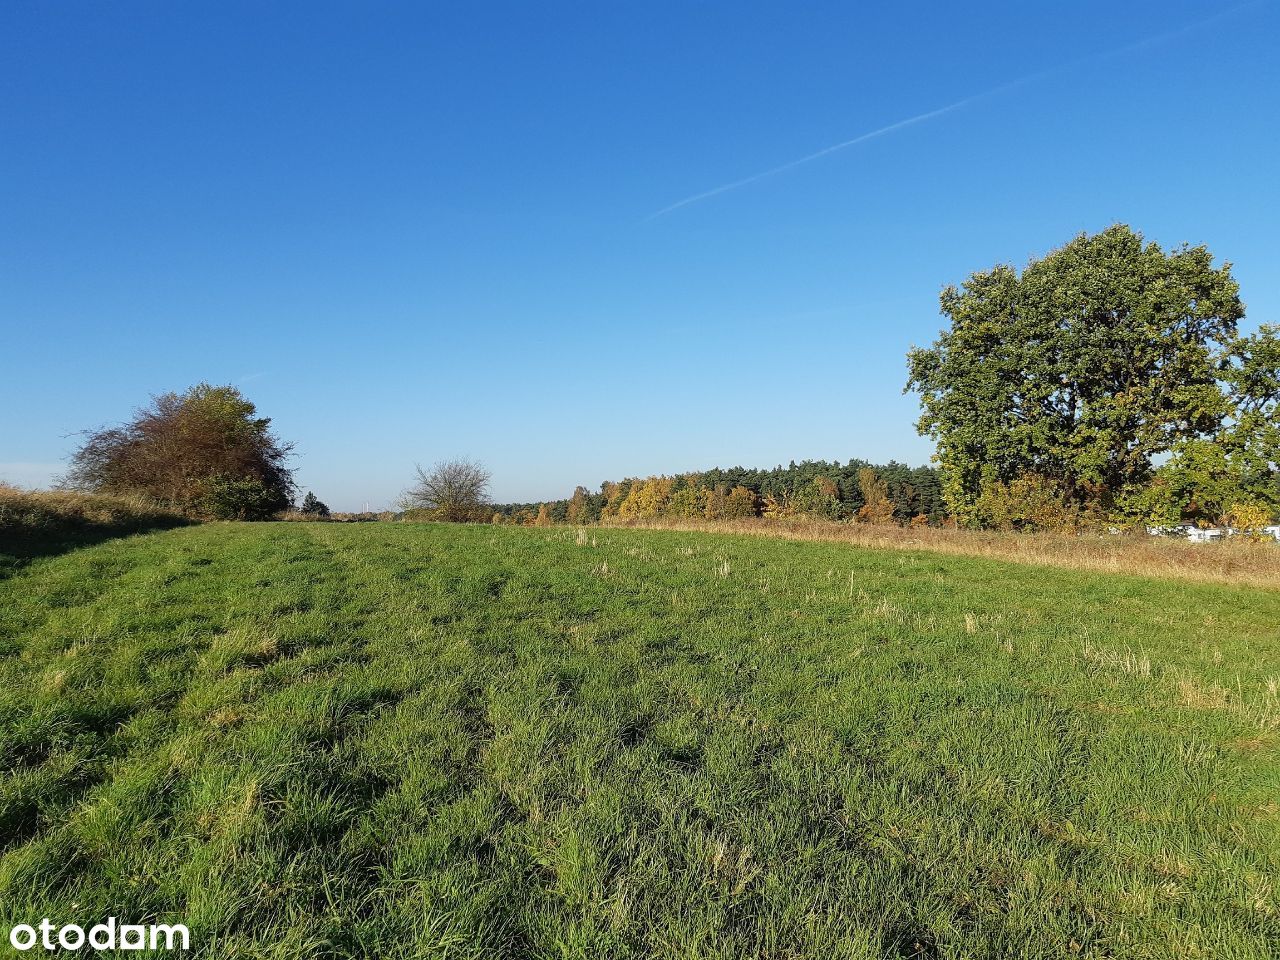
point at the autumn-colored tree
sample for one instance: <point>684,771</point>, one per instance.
<point>876,507</point>
<point>647,499</point>
<point>741,504</point>
<point>1250,517</point>
<point>543,519</point>
<point>1026,503</point>
<point>775,507</point>
<point>576,511</point>
<point>204,451</point>
<point>615,494</point>
<point>714,502</point>
<point>688,503</point>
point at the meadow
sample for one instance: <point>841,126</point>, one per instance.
<point>404,740</point>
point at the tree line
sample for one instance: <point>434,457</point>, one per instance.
<point>852,491</point>
<point>1107,383</point>
<point>207,453</point>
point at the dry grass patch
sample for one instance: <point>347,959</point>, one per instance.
<point>1238,562</point>
<point>46,519</point>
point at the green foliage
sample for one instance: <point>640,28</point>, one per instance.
<point>1096,359</point>
<point>1202,482</point>
<point>818,498</point>
<point>390,740</point>
<point>310,504</point>
<point>1025,504</point>
<point>1252,437</point>
<point>1238,468</point>
<point>245,498</point>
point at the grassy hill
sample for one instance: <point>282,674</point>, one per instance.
<point>392,740</point>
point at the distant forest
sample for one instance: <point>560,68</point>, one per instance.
<point>836,491</point>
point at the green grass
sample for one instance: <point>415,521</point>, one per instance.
<point>393,740</point>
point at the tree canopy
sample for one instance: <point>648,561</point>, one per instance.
<point>1086,368</point>
<point>456,491</point>
<point>204,451</point>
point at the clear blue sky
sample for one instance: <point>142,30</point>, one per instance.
<point>415,231</point>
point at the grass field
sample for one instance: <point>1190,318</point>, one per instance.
<point>392,740</point>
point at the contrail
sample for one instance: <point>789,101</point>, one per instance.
<point>862,138</point>
<point>922,117</point>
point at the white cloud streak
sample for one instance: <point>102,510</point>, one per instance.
<point>932,114</point>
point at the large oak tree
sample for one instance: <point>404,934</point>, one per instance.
<point>1081,369</point>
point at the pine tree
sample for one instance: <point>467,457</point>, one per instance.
<point>312,505</point>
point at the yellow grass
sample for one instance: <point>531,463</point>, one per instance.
<point>28,516</point>
<point>1233,562</point>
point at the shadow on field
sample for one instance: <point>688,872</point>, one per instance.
<point>22,546</point>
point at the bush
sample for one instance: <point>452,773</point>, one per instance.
<point>1030,502</point>
<point>453,491</point>
<point>204,452</point>
<point>227,498</point>
<point>1249,518</point>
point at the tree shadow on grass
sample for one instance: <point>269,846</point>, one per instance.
<point>20,547</point>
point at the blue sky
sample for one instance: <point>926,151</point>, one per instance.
<point>415,231</point>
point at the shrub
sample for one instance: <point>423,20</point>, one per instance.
<point>204,452</point>
<point>454,491</point>
<point>1030,502</point>
<point>739,504</point>
<point>245,498</point>
<point>1249,517</point>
